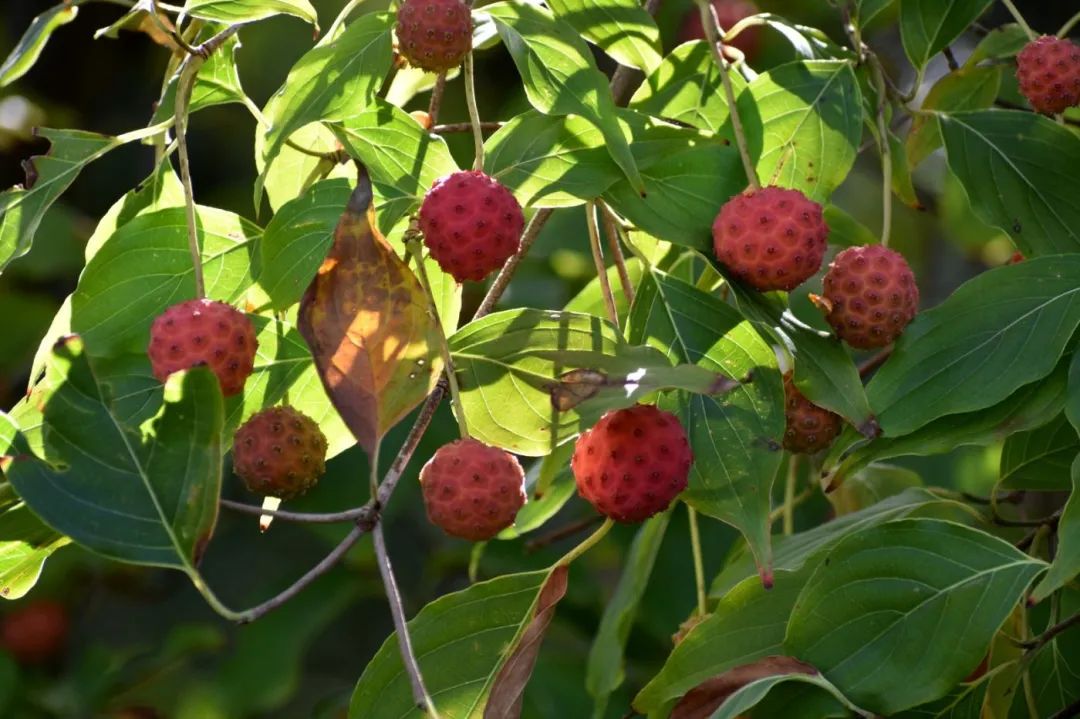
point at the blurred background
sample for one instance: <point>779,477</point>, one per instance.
<point>141,643</point>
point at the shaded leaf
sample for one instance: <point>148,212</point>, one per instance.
<point>143,494</point>
<point>549,484</point>
<point>621,28</point>
<point>919,598</point>
<point>238,11</point>
<point>28,49</point>
<point>462,642</point>
<point>971,88</point>
<point>218,82</point>
<point>997,332</point>
<point>604,671</point>
<point>1066,564</point>
<point>1017,169</point>
<point>1003,41</point>
<point>867,10</point>
<point>1040,459</point>
<point>703,700</point>
<point>871,485</point>
<point>1072,401</point>
<point>25,542</point>
<point>560,75</point>
<point>365,318</point>
<point>928,26</point>
<point>292,172</point>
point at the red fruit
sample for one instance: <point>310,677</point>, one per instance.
<point>472,490</point>
<point>728,12</point>
<point>36,632</point>
<point>871,296</point>
<point>771,239</point>
<point>471,224</point>
<point>434,35</point>
<point>1048,69</point>
<point>204,332</point>
<point>810,428</point>
<point>632,463</point>
<point>279,452</point>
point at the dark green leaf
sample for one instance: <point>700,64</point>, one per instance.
<point>919,598</point>
<point>971,88</point>
<point>604,672</point>
<point>686,87</point>
<point>751,695</point>
<point>867,10</point>
<point>999,331</point>
<point>871,485</point>
<point>26,52</point>
<point>928,26</point>
<point>734,436</point>
<point>1066,564</point>
<point>1040,459</point>
<point>1018,170</point>
<point>240,11</point>
<point>621,28</point>
<point>144,494</point>
<point>1072,401</point>
<point>560,74</point>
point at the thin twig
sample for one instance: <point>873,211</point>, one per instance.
<point>397,611</point>
<point>950,59</point>
<point>1069,25</point>
<point>797,501</point>
<point>598,260</point>
<point>1050,521</point>
<point>436,98</point>
<point>588,544</point>
<point>886,151</point>
<point>711,24</point>
<point>1069,712</point>
<point>466,127</point>
<point>699,562</point>
<point>869,365</point>
<point>611,229</point>
<point>1019,18</point>
<point>789,495</point>
<point>502,280</point>
<point>155,17</point>
<point>1043,639</point>
<point>363,514</point>
<point>562,533</point>
<point>474,113</point>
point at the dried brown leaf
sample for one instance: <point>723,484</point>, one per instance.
<point>704,699</point>
<point>366,320</point>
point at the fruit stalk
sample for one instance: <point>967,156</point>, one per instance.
<point>711,25</point>
<point>789,495</point>
<point>612,230</point>
<point>886,152</point>
<point>699,562</point>
<point>474,113</point>
<point>598,260</point>
<point>588,544</point>
<point>1019,18</point>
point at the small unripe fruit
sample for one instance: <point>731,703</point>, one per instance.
<point>1048,69</point>
<point>472,490</point>
<point>471,224</point>
<point>728,12</point>
<point>632,463</point>
<point>809,428</point>
<point>870,295</point>
<point>771,239</point>
<point>422,118</point>
<point>204,332</point>
<point>434,35</point>
<point>279,452</point>
<point>36,632</point>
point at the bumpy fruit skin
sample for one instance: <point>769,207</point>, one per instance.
<point>279,452</point>
<point>434,35</point>
<point>36,632</point>
<point>472,490</point>
<point>771,239</point>
<point>728,12</point>
<point>632,463</point>
<point>471,224</point>
<point>810,428</point>
<point>1048,69</point>
<point>872,294</point>
<point>204,332</point>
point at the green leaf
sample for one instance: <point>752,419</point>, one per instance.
<point>143,494</point>
<point>47,176</point>
<point>404,160</point>
<point>28,49</point>
<point>507,362</point>
<point>218,82</point>
<point>964,702</point>
<point>1072,402</point>
<point>1031,406</point>
<point>750,695</point>
<point>748,624</point>
<point>590,300</point>
<point>25,542</point>
<point>790,553</point>
<point>1066,564</point>
<point>117,298</point>
<point>1001,330</point>
<point>688,176</point>
<point>871,485</point>
<point>928,26</point>
<point>973,88</point>
<point>549,484</point>
<point>845,230</point>
<point>824,371</point>
<point>621,28</point>
<point>1000,42</point>
<point>461,641</point>
<point>918,598</point>
<point>239,11</point>
<point>867,10</point>
<point>1055,671</point>
<point>734,436</point>
<point>157,192</point>
<point>292,172</point>
<point>686,87</point>
<point>330,82</point>
<point>1018,170</point>
<point>550,161</point>
<point>604,671</point>
<point>295,241</point>
<point>1039,459</point>
<point>803,124</point>
<point>808,42</point>
<point>560,75</point>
